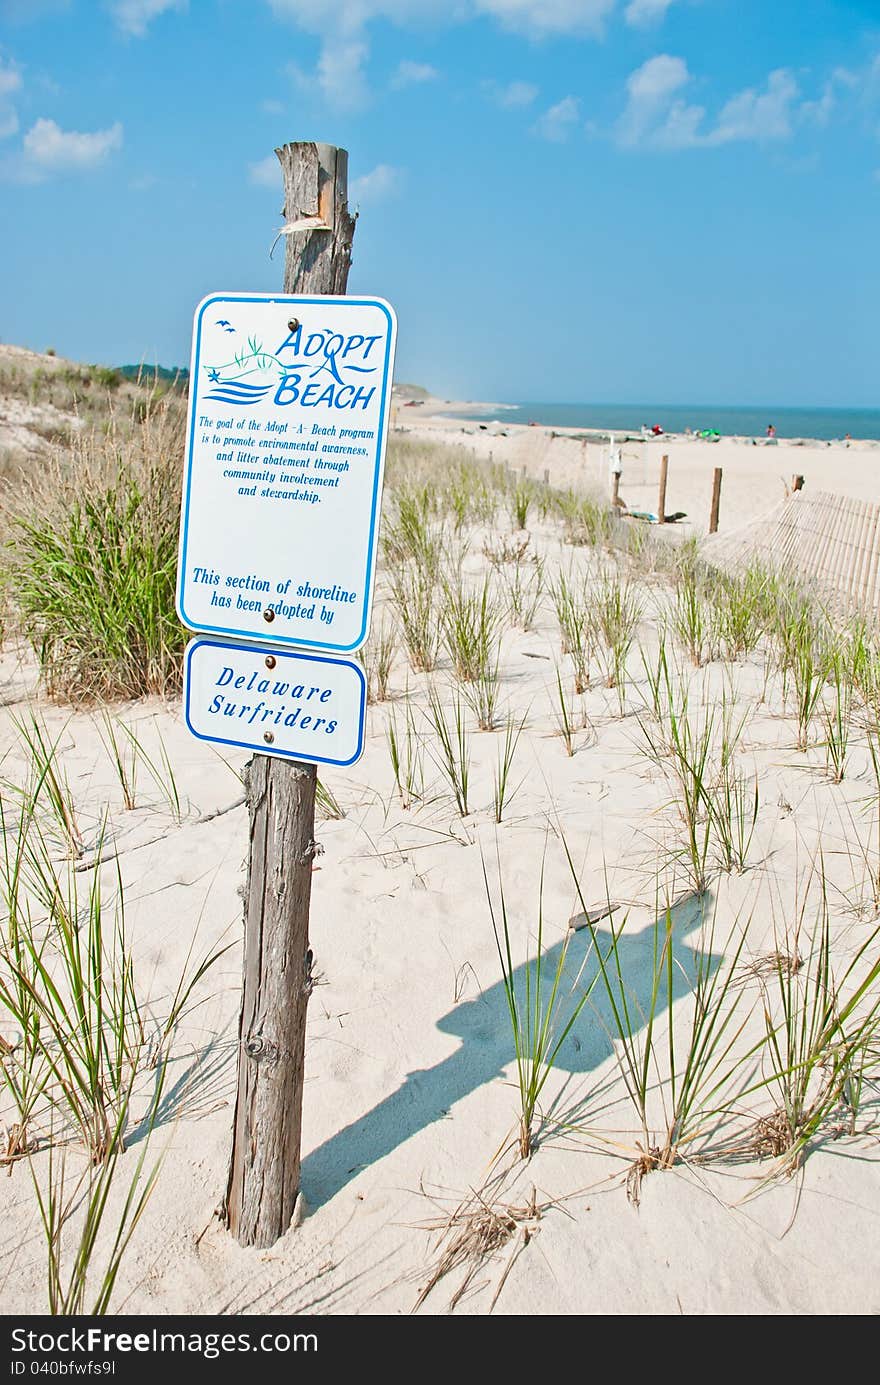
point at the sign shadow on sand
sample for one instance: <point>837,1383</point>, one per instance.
<point>486,1049</point>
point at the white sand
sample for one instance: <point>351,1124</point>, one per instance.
<point>408,1093</point>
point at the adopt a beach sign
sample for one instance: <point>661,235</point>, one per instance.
<point>286,436</point>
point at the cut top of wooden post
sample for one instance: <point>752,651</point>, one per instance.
<point>318,226</point>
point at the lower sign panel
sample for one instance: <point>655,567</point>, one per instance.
<point>297,706</point>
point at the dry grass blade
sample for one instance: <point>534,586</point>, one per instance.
<point>648,1160</point>
<point>770,964</point>
<point>475,1232</point>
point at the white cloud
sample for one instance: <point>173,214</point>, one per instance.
<point>49,149</point>
<point>134,17</point>
<point>657,78</point>
<point>341,26</point>
<point>381,182</point>
<point>541,18</point>
<point>821,110</point>
<point>266,172</point>
<point>657,115</point>
<point>10,82</point>
<point>759,115</point>
<point>650,92</point>
<point>556,123</point>
<point>339,75</point>
<point>10,78</point>
<point>642,14</point>
<point>410,74</point>
<point>514,94</point>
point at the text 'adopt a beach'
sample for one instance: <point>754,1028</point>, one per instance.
<point>288,422</point>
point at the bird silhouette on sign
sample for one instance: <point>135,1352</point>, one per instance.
<point>223,322</point>
<point>486,1048</point>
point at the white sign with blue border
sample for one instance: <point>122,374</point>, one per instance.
<point>288,421</point>
<point>297,706</point>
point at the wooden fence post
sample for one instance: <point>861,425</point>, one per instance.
<point>661,500</point>
<point>716,501</point>
<point>797,483</point>
<point>264,1168</point>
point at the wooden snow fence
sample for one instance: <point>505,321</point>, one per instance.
<point>832,542</point>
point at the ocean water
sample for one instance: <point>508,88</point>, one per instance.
<point>675,418</point>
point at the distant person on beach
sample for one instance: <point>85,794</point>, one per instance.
<point>771,431</point>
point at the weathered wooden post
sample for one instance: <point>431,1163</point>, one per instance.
<point>615,489</point>
<point>716,501</point>
<point>264,1168</point>
<point>661,499</point>
<point>797,483</point>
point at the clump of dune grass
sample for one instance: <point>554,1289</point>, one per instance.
<point>47,785</point>
<point>683,1075</point>
<point>681,747</point>
<point>483,693</point>
<point>70,978</point>
<point>809,667</point>
<point>570,715</point>
<point>91,561</point>
<point>470,628</point>
<point>523,587</point>
<point>451,747</point>
<point>837,717</point>
<point>520,500</point>
<point>742,604</point>
<point>587,520</point>
<point>617,610</point>
<point>695,747</point>
<point>691,618</point>
<point>574,617</point>
<point>462,489</point>
<point>327,805</point>
<point>408,531</point>
<point>379,658</point>
<point>67,978</point>
<point>406,752</point>
<point>71,1218</point>
<point>821,1025</point>
<point>123,756</point>
<point>503,790</point>
<point>657,675</point>
<point>542,1008</point>
<point>414,589</point>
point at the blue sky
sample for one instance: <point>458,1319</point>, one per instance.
<point>569,200</point>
